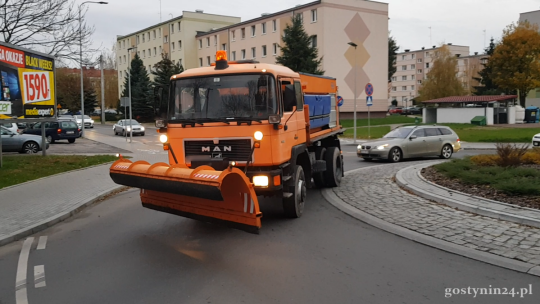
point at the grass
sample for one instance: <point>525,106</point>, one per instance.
<point>389,120</point>
<point>22,168</point>
<point>362,133</point>
<point>512,181</point>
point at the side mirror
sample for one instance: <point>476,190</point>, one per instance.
<point>412,137</point>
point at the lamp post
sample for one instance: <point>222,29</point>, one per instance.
<point>81,62</point>
<point>354,115</point>
<point>129,96</point>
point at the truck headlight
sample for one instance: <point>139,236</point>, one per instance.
<point>258,135</point>
<point>260,181</point>
<point>163,138</point>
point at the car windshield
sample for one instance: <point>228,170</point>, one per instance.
<point>133,122</point>
<point>68,124</point>
<point>223,98</point>
<point>398,133</point>
<point>6,131</point>
<point>85,117</point>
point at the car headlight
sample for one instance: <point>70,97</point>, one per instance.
<point>382,147</point>
<point>142,128</point>
<point>260,181</point>
<point>359,147</point>
<point>128,129</point>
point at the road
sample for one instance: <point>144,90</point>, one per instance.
<point>118,252</point>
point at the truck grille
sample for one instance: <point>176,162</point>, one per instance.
<point>233,149</point>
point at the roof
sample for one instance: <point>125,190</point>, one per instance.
<point>471,99</point>
<point>244,68</point>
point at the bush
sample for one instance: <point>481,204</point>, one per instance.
<point>485,160</point>
<point>510,155</point>
<point>110,117</point>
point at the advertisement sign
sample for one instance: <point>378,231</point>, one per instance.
<point>27,84</point>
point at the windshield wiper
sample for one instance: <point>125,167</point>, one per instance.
<point>189,122</point>
<point>240,120</point>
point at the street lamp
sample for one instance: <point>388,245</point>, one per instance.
<point>81,62</point>
<point>129,96</point>
<point>354,115</point>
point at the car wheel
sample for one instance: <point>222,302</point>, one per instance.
<point>395,155</point>
<point>71,140</point>
<point>50,139</point>
<point>446,152</point>
<point>30,147</point>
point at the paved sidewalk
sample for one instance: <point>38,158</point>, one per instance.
<point>372,195</point>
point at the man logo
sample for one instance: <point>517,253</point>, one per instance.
<point>217,149</point>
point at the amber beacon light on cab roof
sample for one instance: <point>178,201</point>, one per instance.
<point>238,130</point>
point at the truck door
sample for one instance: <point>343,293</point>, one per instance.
<point>291,92</point>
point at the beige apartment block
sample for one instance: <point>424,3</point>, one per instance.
<point>468,68</point>
<point>333,23</point>
<point>175,37</point>
<point>412,69</point>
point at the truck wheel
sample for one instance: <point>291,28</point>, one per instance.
<point>293,206</point>
<point>334,168</point>
<point>318,177</point>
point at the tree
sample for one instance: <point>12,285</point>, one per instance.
<point>90,100</point>
<point>442,80</point>
<point>515,62</point>
<point>68,91</point>
<point>394,102</point>
<point>299,51</point>
<point>49,26</point>
<point>392,49</point>
<point>163,71</point>
<point>141,96</point>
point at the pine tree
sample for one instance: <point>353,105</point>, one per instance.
<point>392,49</point>
<point>297,51</point>
<point>487,87</point>
<point>163,71</point>
<point>141,95</point>
<point>90,100</point>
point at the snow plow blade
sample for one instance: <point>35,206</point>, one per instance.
<point>223,197</point>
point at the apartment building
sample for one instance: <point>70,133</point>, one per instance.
<point>468,68</point>
<point>412,69</point>
<point>175,37</point>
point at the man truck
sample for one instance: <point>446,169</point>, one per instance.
<point>237,130</point>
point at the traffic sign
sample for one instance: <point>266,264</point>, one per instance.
<point>340,101</point>
<point>369,89</point>
<point>369,101</point>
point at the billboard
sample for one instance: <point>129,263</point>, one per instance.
<point>27,84</point>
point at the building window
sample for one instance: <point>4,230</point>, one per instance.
<point>172,46</point>
<point>253,31</point>
<point>224,46</point>
<point>180,62</point>
<point>160,52</point>
<point>143,40</point>
<point>301,16</point>
<point>125,61</point>
<point>243,54</point>
<point>403,77</point>
<point>314,41</point>
<point>179,45</point>
<point>263,28</point>
<point>419,71</point>
<point>412,87</point>
<point>155,52</point>
<point>394,89</point>
<point>149,68</point>
<point>427,54</point>
<point>120,74</point>
<point>137,39</point>
<point>154,34</point>
<point>207,41</point>
<point>233,55</point>
<point>208,60</point>
<point>253,53</point>
<point>403,67</point>
<point>394,78</point>
<point>215,39</point>
<point>149,53</point>
<point>404,88</point>
<point>200,43</point>
<point>413,66</point>
<point>143,53</point>
<point>403,98</point>
<point>403,57</point>
<point>233,35</point>
<point>159,31</point>
<point>314,15</point>
<point>179,27</point>
<point>412,77</point>
<point>427,65</point>
<point>274,48</point>
<point>413,56</point>
<point>172,28</point>
<point>419,82</point>
<point>419,60</point>
<point>120,59</point>
<point>166,39</point>
<point>274,25</point>
<point>124,44</point>
<point>119,44</point>
<point>243,30</point>
<point>200,62</point>
<point>263,51</point>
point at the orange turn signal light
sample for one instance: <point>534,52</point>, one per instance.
<point>221,55</point>
<point>257,145</point>
<point>277,180</point>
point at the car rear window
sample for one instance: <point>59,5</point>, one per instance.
<point>68,124</point>
<point>445,131</point>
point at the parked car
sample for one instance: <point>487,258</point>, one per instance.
<point>395,110</point>
<point>22,143</point>
<point>56,130</point>
<point>88,121</point>
<point>412,141</point>
<point>536,140</point>
<point>124,125</point>
<point>411,111</point>
<point>11,126</point>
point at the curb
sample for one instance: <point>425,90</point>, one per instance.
<point>53,220</point>
<point>492,213</point>
<point>485,257</point>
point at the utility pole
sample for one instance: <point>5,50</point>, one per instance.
<point>102,91</point>
<point>354,45</point>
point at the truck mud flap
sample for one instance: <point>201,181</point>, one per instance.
<point>223,197</point>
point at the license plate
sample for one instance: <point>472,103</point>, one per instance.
<point>70,132</point>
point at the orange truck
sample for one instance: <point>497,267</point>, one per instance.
<point>236,131</point>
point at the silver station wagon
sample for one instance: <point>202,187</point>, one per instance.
<point>412,141</point>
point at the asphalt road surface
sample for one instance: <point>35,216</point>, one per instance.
<point>118,252</point>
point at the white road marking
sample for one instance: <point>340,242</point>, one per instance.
<point>39,276</point>
<point>22,267</point>
<point>42,242</point>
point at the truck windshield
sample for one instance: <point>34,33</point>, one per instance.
<point>223,98</point>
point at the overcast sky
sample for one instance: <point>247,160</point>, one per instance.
<point>461,22</point>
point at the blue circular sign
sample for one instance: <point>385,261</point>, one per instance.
<point>369,89</point>
<point>340,101</point>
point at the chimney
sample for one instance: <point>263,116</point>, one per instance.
<point>434,46</point>
<point>476,53</point>
<point>264,14</point>
<point>457,55</point>
<point>449,43</point>
<point>423,48</point>
<point>199,11</point>
<point>407,50</point>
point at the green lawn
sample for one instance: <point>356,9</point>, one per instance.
<point>362,133</point>
<point>393,119</point>
<point>18,169</point>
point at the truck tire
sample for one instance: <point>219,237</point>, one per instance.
<point>293,206</point>
<point>334,167</point>
<point>318,177</point>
